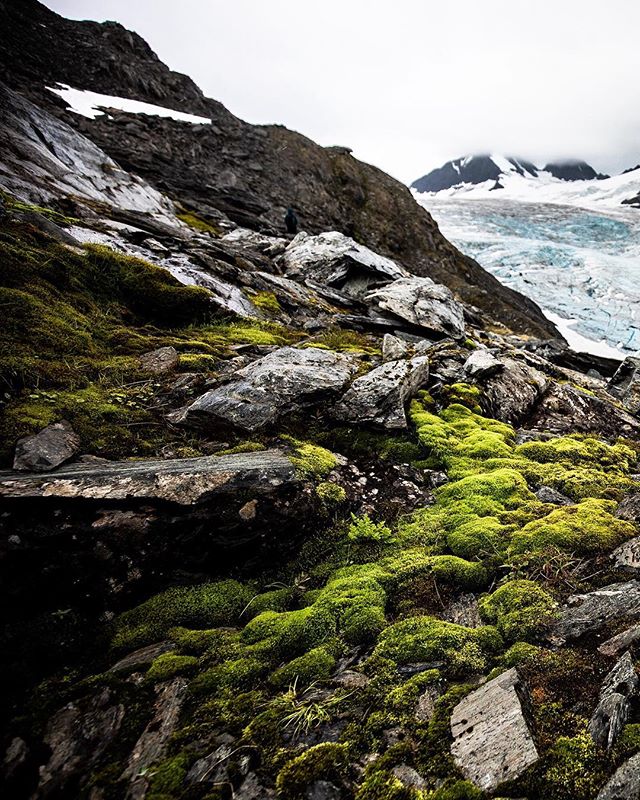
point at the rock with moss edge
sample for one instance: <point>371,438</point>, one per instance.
<point>47,449</point>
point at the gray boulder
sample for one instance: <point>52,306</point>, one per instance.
<point>164,359</point>
<point>547,494</point>
<point>421,303</point>
<point>625,384</point>
<point>379,397</point>
<point>481,364</point>
<point>393,348</point>
<point>512,393</point>
<point>618,690</point>
<point>624,784</point>
<point>282,381</point>
<point>627,556</point>
<point>621,641</point>
<point>47,449</point>
<point>336,260</point>
<point>492,742</point>
<point>593,611</point>
<point>629,508</point>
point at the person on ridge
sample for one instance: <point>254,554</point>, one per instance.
<point>291,221</point>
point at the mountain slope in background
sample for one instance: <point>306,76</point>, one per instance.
<point>569,182</point>
<point>249,173</point>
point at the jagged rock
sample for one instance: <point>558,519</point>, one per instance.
<point>153,742</point>
<point>336,260</point>
<point>213,768</point>
<point>621,641</point>
<point>624,784</point>
<point>164,359</point>
<point>629,508</point>
<point>482,364</point>
<point>77,735</point>
<point>184,481</point>
<point>248,240</point>
<point>564,410</point>
<point>511,394</point>
<point>393,348</point>
<point>47,449</point>
<point>379,397</point>
<point>252,789</point>
<point>409,777</point>
<point>593,611</point>
<point>142,657</point>
<point>547,494</point>
<point>421,303</point>
<point>625,384</point>
<point>284,380</point>
<point>492,742</point>
<point>15,758</point>
<point>426,705</point>
<point>627,556</point>
<point>616,694</point>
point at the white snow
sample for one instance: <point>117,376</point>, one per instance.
<point>580,343</point>
<point>91,105</point>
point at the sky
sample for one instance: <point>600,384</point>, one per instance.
<point>410,84</point>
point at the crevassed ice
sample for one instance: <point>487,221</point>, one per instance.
<point>91,104</point>
<point>582,266</point>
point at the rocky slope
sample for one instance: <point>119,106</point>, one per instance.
<point>281,518</point>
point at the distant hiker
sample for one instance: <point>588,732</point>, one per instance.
<point>291,221</point>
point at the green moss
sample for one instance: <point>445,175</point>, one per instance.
<point>289,633</point>
<point>166,778</point>
<point>364,530</point>
<point>195,642</point>
<point>313,666</point>
<point>327,761</point>
<point>520,653</point>
<point>572,769</point>
<point>520,609</point>
<point>346,341</point>
<point>587,528</point>
<point>240,673</point>
<point>196,222</point>
<point>267,302</point>
<point>207,605</point>
<point>243,447</point>
<point>383,785</point>
<point>463,393</point>
<point>428,639</point>
<point>628,743</point>
<point>196,362</point>
<point>310,460</point>
<point>168,665</point>
<point>330,493</point>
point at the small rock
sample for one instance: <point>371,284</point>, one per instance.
<point>627,556</point>
<point>379,397</point>
<point>350,679</point>
<point>621,641</point>
<point>616,693</point>
<point>252,789</point>
<point>248,510</point>
<point>164,359</point>
<point>546,494</point>
<point>427,703</point>
<point>409,777</point>
<point>47,449</point>
<point>213,768</point>
<point>481,364</point>
<point>593,611</point>
<point>492,742</point>
<point>624,784</point>
<point>15,757</point>
<point>629,508</point>
<point>393,348</point>
<point>142,657</point>
<point>463,611</point>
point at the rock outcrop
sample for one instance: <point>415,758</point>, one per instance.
<point>616,695</point>
<point>492,741</point>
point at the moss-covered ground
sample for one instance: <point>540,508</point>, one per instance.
<point>259,654</point>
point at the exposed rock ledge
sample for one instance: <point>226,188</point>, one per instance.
<point>184,481</point>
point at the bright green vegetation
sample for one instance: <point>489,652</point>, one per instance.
<point>196,222</point>
<point>520,609</point>
<point>266,301</point>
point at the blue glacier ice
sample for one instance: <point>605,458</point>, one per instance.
<point>579,264</point>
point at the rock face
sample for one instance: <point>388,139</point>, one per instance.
<point>249,173</point>
<point>393,347</point>
<point>492,742</point>
<point>264,390</point>
<point>592,611</point>
<point>510,394</point>
<point>46,450</point>
<point>624,784</point>
<point>616,695</point>
<point>625,384</point>
<point>422,303</point>
<point>616,644</point>
<point>184,481</point>
<point>379,397</point>
<point>337,260</point>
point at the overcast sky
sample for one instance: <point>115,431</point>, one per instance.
<point>409,84</point>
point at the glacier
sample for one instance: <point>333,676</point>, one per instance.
<point>581,264</point>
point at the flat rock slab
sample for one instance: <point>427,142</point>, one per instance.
<point>282,381</point>
<point>624,784</point>
<point>492,742</point>
<point>379,397</point>
<point>593,611</point>
<point>185,481</point>
<point>422,303</point>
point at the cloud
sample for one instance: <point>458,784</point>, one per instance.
<point>409,84</point>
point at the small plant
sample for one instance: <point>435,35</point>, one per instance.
<point>309,709</point>
<point>363,530</point>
